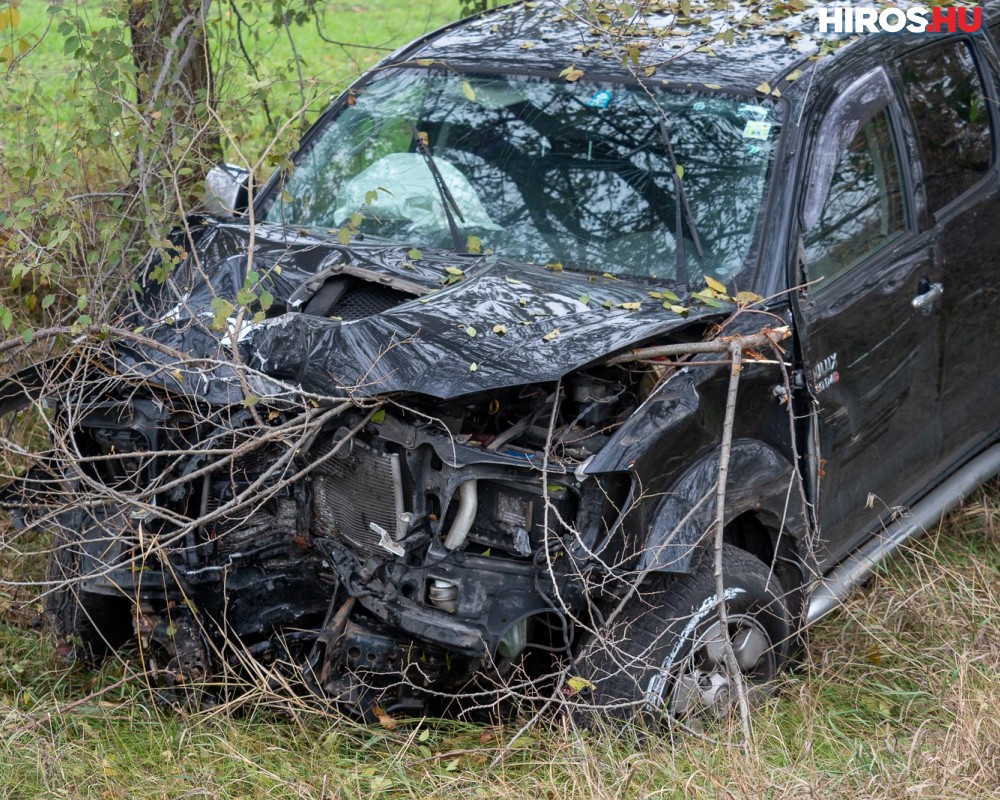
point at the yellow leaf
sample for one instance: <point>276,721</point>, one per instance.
<point>794,75</point>
<point>747,298</point>
<point>499,330</point>
<point>384,719</point>
<point>630,306</point>
<point>5,19</point>
<point>713,86</point>
<point>579,684</point>
<point>764,88</point>
<point>571,73</point>
<point>468,91</point>
<point>551,335</point>
<point>680,171</point>
<point>712,283</point>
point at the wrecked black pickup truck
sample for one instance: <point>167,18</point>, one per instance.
<point>431,417</point>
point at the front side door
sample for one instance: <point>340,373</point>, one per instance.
<point>870,315</point>
<point>949,105</point>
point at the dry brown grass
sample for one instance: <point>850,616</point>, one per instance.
<point>898,696</point>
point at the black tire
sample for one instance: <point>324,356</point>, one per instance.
<point>664,654</point>
<point>87,626</point>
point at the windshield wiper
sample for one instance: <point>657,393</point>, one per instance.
<point>447,200</point>
<point>683,210</point>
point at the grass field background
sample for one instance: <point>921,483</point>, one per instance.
<point>898,695</point>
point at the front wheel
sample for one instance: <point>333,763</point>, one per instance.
<point>666,655</point>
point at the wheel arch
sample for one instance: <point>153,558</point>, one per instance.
<point>763,513</point>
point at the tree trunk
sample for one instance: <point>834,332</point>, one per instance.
<point>173,84</point>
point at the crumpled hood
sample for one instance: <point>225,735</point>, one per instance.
<point>497,324</point>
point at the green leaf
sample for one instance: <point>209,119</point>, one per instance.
<point>48,300</point>
<point>454,271</point>
<point>578,685</point>
<point>221,311</point>
<point>473,366</point>
<point>414,255</point>
<point>379,416</point>
<point>470,331</point>
<point>584,298</point>
<point>266,300</point>
<point>473,244</point>
<point>250,400</point>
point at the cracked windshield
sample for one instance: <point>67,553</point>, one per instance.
<point>605,177</point>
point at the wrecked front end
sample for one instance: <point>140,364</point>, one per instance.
<point>374,549</point>
<point>383,553</point>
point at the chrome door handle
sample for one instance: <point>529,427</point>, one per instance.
<point>926,299</point>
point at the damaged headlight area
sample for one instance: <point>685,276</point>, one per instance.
<point>383,554</point>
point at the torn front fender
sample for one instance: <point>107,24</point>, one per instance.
<point>761,480</point>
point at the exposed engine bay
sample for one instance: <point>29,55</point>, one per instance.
<point>373,557</point>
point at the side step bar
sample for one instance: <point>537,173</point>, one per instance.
<point>837,584</point>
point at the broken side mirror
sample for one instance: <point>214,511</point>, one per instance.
<point>226,192</point>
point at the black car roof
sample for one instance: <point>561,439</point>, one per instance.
<point>772,42</point>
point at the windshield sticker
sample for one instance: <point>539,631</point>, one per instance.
<point>755,129</point>
<point>750,111</point>
<point>600,99</point>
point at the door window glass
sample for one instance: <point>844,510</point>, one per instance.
<point>864,205</point>
<point>945,95</point>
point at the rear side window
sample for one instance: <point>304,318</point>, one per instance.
<point>946,98</point>
<point>864,206</point>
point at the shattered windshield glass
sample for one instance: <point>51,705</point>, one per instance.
<point>597,176</point>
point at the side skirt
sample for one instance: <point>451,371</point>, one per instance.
<point>830,591</point>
